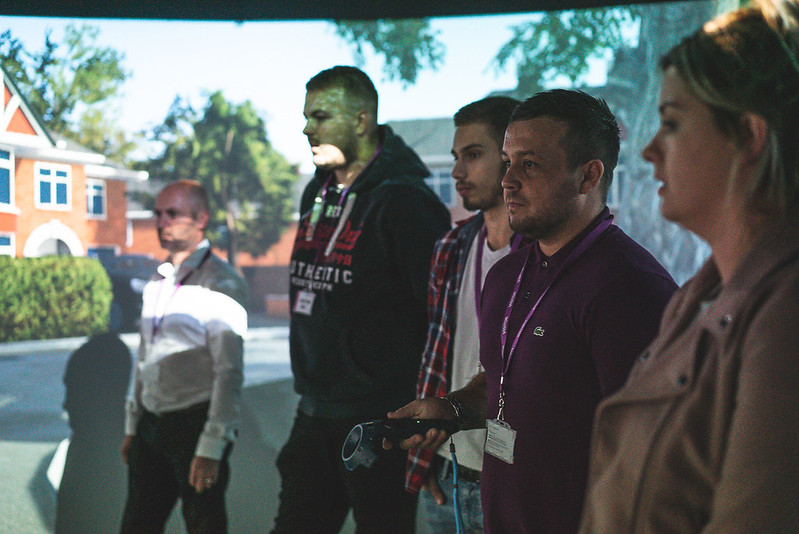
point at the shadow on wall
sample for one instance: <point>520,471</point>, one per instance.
<point>93,485</point>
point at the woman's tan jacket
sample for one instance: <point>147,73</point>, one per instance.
<point>704,437</point>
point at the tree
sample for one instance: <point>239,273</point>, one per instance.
<point>225,148</point>
<point>661,27</point>
<point>559,44</point>
<point>407,45</point>
<point>549,45</point>
<point>73,86</point>
<point>555,45</point>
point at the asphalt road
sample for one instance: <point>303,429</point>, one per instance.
<point>32,425</point>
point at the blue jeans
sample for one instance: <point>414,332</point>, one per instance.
<point>440,518</point>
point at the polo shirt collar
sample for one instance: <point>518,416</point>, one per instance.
<point>557,259</point>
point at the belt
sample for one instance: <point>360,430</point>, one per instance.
<point>200,407</point>
<point>464,473</point>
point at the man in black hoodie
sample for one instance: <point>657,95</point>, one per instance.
<point>358,292</point>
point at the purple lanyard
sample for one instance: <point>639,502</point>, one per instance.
<point>515,243</point>
<point>576,253</point>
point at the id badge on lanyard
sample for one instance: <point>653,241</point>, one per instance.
<point>501,440</point>
<point>304,302</point>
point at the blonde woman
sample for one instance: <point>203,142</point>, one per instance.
<point>704,437</point>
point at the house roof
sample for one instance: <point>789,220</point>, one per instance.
<point>22,129</point>
<point>430,138</point>
<point>18,121</point>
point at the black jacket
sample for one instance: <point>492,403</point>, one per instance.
<point>359,319</point>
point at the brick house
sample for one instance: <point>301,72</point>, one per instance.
<point>432,140</point>
<point>56,197</point>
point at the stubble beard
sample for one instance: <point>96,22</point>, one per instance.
<point>480,204</point>
<point>549,219</point>
<point>173,245</point>
<point>494,198</point>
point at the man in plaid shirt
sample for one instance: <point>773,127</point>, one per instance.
<point>461,260</point>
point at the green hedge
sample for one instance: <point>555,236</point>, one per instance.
<point>52,297</point>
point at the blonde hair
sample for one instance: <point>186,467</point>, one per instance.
<point>747,61</point>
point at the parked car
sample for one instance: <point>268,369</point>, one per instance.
<point>128,273</point>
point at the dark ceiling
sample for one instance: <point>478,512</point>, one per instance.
<point>239,10</point>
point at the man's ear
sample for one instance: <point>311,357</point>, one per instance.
<point>592,174</point>
<point>203,217</point>
<point>363,121</point>
<point>755,132</point>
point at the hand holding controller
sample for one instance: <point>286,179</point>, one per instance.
<point>363,439</point>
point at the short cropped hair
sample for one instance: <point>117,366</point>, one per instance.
<point>354,81</point>
<point>198,196</point>
<point>493,111</point>
<point>593,132</point>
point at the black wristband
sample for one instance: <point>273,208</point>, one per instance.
<point>457,407</point>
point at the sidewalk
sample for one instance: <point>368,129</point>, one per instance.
<point>27,501</point>
<point>258,327</point>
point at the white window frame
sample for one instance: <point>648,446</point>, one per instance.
<point>91,183</point>
<point>9,165</point>
<point>615,191</point>
<point>440,179</point>
<point>54,181</point>
<point>11,249</point>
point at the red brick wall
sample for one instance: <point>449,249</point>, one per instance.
<point>145,239</point>
<point>277,254</point>
<point>110,232</point>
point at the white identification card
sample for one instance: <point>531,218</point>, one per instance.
<point>304,302</point>
<point>500,440</point>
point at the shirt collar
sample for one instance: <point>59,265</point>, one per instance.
<point>557,259</point>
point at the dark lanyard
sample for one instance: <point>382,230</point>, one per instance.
<point>157,320</point>
<point>571,258</point>
<point>515,243</point>
<point>318,207</point>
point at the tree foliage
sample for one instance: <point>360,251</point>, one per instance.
<point>548,45</point>
<point>407,45</point>
<point>554,46</point>
<point>74,86</point>
<point>224,146</point>
<point>560,44</point>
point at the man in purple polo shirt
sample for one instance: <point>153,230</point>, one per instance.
<point>561,322</point>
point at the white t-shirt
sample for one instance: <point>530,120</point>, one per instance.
<point>465,356</point>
